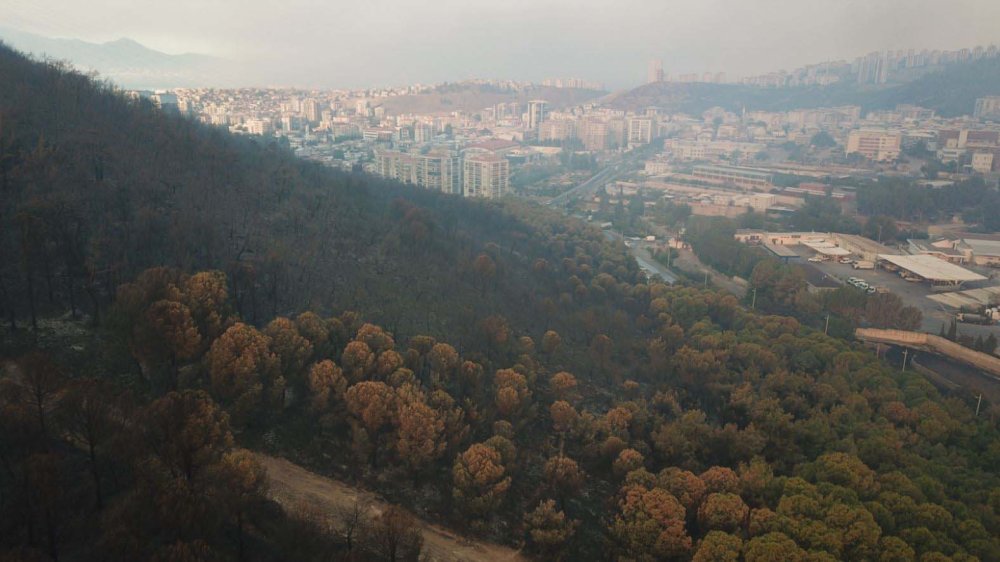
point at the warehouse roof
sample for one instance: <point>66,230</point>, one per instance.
<point>826,248</point>
<point>932,268</point>
<point>781,251</point>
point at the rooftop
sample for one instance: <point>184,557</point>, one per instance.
<point>932,268</point>
<point>781,251</point>
<point>984,247</point>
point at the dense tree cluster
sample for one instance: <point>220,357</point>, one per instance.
<point>737,435</point>
<point>976,202</point>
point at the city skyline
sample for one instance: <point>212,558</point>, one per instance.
<point>311,44</point>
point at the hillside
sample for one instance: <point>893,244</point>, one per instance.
<point>174,295</point>
<point>951,91</point>
<point>290,235</point>
<point>474,97</point>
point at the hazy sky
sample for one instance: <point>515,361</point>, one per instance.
<point>388,42</point>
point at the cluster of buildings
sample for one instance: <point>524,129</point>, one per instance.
<point>573,83</point>
<point>476,152</point>
<point>915,263</point>
<point>478,171</point>
<point>726,164</point>
<point>960,250</point>
<point>878,67</point>
<point>655,73</point>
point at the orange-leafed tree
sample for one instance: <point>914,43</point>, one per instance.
<point>357,361</point>
<point>564,416</point>
<point>511,391</point>
<point>443,361</point>
<point>723,512</point>
<point>548,530</point>
<point>718,546</point>
<point>650,524</point>
<point>377,339</point>
<point>563,386</point>
<point>684,485</point>
<point>627,461</point>
<point>720,479</point>
<point>241,365</point>
<point>419,433</point>
<point>387,363</point>
<point>207,295</point>
<point>563,477</point>
<point>169,335</point>
<point>480,480</point>
<point>185,432</point>
<point>372,403</point>
<point>292,349</point>
<point>312,327</point>
<point>326,385</point>
<point>551,340</point>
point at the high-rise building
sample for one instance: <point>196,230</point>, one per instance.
<point>640,130</point>
<point>441,171</point>
<point>536,113</point>
<point>593,133</point>
<point>556,130</point>
<point>654,73</point>
<point>310,110</point>
<point>873,68</point>
<point>987,108</point>
<point>485,175</point>
<point>423,132</point>
<point>617,132</point>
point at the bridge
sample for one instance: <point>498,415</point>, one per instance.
<point>989,364</point>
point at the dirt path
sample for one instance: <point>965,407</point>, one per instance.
<point>293,486</point>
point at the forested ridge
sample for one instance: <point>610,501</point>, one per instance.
<point>495,367</point>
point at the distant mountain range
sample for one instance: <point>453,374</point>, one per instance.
<point>951,91</point>
<point>126,62</point>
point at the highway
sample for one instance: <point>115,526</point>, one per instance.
<point>588,187</point>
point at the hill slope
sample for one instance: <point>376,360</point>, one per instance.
<point>79,217</point>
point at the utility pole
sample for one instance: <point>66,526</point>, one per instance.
<point>905,353</point>
<point>979,403</point>
<point>826,330</point>
<point>753,302</point>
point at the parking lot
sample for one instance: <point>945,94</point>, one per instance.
<point>913,294</point>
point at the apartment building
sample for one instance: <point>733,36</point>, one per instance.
<point>485,175</point>
<point>880,146</point>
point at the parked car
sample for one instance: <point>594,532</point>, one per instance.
<point>846,260</point>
